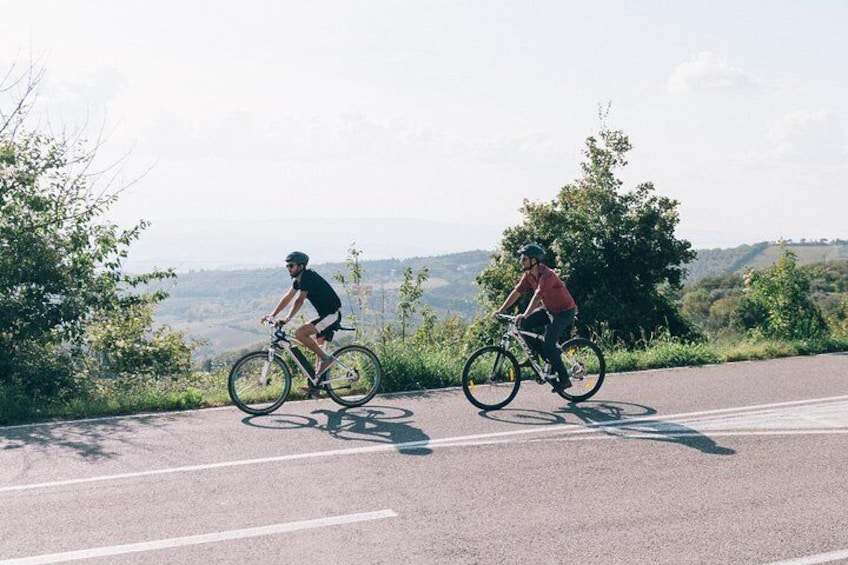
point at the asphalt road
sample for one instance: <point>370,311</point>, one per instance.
<point>745,463</point>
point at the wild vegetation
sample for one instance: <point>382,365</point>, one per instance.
<point>68,315</point>
<point>79,336</point>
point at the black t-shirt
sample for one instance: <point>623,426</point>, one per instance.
<point>319,292</point>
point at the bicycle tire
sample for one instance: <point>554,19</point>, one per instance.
<point>586,367</point>
<point>259,385</point>
<point>355,378</point>
<point>491,377</point>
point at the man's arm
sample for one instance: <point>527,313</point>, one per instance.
<point>510,300</point>
<point>534,303</point>
<point>298,302</point>
<point>282,303</point>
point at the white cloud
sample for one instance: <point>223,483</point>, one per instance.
<point>707,72</point>
<point>809,138</point>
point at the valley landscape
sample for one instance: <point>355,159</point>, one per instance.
<point>222,308</point>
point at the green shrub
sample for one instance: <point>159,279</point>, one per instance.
<point>408,367</point>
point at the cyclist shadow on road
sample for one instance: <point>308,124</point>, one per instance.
<point>623,419</point>
<point>626,420</point>
<point>387,425</point>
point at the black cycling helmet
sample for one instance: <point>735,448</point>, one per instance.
<point>533,250</point>
<point>297,258</point>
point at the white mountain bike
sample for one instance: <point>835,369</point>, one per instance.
<point>261,381</point>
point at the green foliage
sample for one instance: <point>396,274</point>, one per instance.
<point>411,291</point>
<point>412,366</point>
<point>352,283</point>
<point>62,290</point>
<point>615,249</point>
<point>126,345</point>
<point>777,302</point>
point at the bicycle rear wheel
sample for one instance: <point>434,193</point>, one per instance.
<point>491,377</point>
<point>586,368</point>
<point>355,377</point>
<point>259,383</point>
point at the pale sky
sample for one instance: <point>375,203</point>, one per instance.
<point>260,121</point>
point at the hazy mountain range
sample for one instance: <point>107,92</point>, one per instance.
<point>226,244</point>
<point>223,307</point>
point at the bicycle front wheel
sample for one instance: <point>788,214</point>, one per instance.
<point>259,383</point>
<point>355,377</point>
<point>491,377</point>
<point>586,368</point>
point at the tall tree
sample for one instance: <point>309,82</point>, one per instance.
<point>62,287</point>
<point>616,249</point>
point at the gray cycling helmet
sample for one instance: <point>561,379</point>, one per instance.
<point>533,250</point>
<point>297,258</point>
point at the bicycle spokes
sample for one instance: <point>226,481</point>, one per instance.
<point>490,378</point>
<point>586,368</point>
<point>355,376</point>
<point>258,385</point>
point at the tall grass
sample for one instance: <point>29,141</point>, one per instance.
<point>406,367</point>
<point>415,367</point>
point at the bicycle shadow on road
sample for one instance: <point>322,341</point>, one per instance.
<point>373,424</point>
<point>624,420</point>
<point>526,417</point>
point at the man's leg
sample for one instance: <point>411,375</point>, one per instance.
<point>535,323</point>
<point>304,335</point>
<point>316,328</point>
<point>559,323</point>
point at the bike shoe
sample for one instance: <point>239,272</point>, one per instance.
<point>562,384</point>
<point>312,392</point>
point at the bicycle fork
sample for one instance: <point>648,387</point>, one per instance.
<point>266,366</point>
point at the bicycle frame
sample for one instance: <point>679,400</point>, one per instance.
<point>514,333</point>
<point>288,344</point>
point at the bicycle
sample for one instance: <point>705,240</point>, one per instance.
<point>492,374</point>
<point>260,381</point>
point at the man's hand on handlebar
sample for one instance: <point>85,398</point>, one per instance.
<point>272,321</point>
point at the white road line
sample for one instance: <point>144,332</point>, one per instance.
<point>814,559</point>
<point>661,424</point>
<point>201,539</point>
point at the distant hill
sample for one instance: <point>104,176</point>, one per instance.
<point>715,262</point>
<point>223,307</point>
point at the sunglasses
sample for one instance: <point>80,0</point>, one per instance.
<point>290,265</point>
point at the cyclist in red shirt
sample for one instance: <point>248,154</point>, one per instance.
<point>552,307</point>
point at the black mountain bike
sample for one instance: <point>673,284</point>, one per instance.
<point>492,374</point>
<point>260,381</point>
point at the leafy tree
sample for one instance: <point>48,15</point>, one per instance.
<point>777,302</point>
<point>62,288</point>
<point>616,249</point>
<point>354,287</point>
<point>411,291</point>
<point>712,303</point>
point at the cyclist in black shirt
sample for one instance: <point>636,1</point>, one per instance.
<point>309,285</point>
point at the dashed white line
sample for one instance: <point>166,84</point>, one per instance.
<point>201,539</point>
